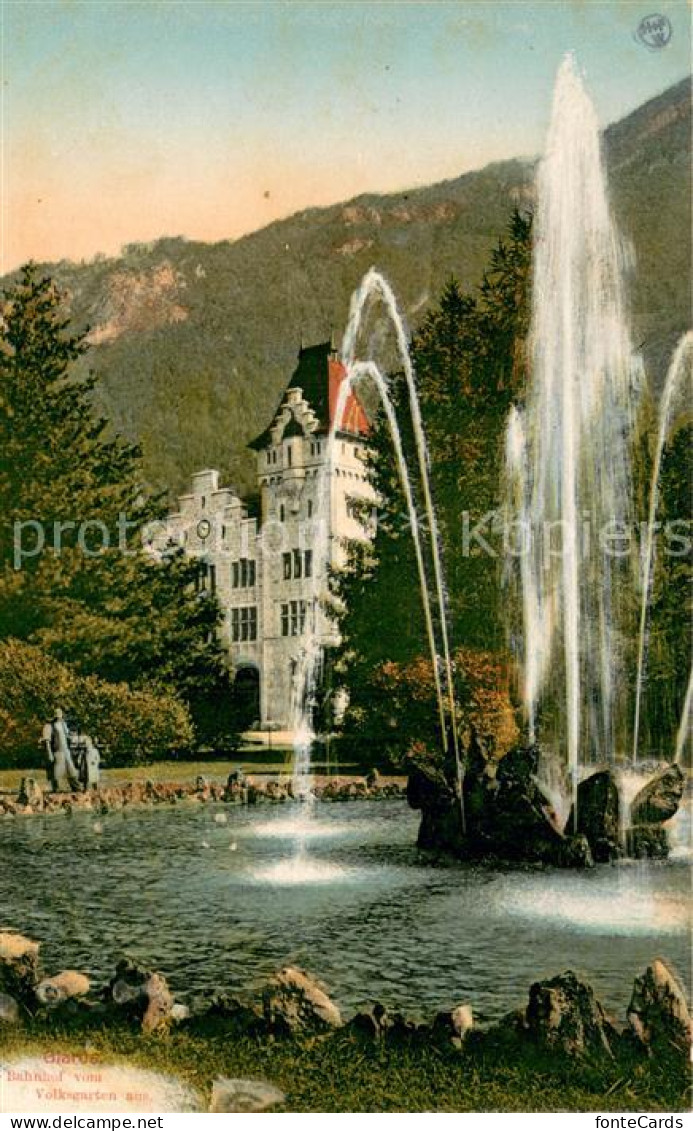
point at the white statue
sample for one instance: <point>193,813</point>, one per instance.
<point>92,762</point>
<point>56,737</point>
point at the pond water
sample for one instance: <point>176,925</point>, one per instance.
<point>215,898</point>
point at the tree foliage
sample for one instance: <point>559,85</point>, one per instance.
<point>469,356</point>
<point>76,575</point>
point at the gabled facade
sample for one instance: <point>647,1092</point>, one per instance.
<point>265,569</point>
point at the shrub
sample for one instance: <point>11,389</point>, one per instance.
<point>129,726</point>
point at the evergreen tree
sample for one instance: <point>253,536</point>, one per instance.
<point>75,576</point>
<point>469,357</point>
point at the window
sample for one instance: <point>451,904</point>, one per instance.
<point>297,564</point>
<point>282,513</point>
<point>310,508</point>
<point>244,623</point>
<point>289,456</point>
<point>293,616</point>
<point>243,573</point>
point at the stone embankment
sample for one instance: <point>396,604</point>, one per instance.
<point>33,798</point>
<point>562,1016</point>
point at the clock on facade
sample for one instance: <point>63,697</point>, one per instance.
<point>204,527</point>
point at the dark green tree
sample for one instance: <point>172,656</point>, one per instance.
<point>75,574</point>
<point>469,356</point>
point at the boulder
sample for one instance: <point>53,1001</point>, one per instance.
<point>377,1023</point>
<point>598,815</point>
<point>564,1016</point>
<point>19,965</point>
<point>141,994</point>
<point>9,1010</point>
<point>454,1024</point>
<point>244,1095</point>
<point>659,800</point>
<point>240,1017</point>
<point>58,989</point>
<point>293,1003</point>
<point>160,1004</point>
<point>645,842</point>
<point>658,1013</point>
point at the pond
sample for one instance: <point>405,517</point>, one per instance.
<point>216,898</point>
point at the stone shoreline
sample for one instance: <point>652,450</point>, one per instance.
<point>562,1016</point>
<point>32,799</point>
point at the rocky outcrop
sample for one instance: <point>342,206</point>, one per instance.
<point>454,1024</point>
<point>658,1013</point>
<point>295,1004</point>
<point>563,1015</point>
<point>19,966</point>
<point>141,994</point>
<point>62,987</point>
<point>507,815</point>
<point>647,842</point>
<point>598,815</point>
<point>658,800</point>
<point>377,1023</point>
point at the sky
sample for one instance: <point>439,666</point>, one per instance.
<point>125,121</point>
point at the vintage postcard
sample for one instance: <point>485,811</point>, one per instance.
<point>345,559</point>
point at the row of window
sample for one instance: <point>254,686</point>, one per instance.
<point>244,623</point>
<point>293,618</point>
<point>243,573</point>
<point>282,510</point>
<point>315,450</point>
<point>297,563</point>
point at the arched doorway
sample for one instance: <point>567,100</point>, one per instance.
<point>247,695</point>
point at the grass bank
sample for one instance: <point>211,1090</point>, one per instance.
<point>343,1074</point>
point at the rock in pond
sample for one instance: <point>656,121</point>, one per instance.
<point>647,842</point>
<point>660,798</point>
<point>295,1003</point>
<point>598,815</point>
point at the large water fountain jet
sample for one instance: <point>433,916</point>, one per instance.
<point>309,666</point>
<point>576,423</point>
<point>375,286</point>
<point>684,732</point>
<point>673,387</point>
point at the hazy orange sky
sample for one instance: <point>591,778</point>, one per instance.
<point>125,121</point>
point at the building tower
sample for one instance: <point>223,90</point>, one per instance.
<point>264,569</point>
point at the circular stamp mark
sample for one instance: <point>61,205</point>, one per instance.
<point>654,32</point>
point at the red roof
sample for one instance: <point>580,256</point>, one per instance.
<point>354,419</point>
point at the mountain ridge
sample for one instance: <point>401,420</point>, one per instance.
<point>194,341</point>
